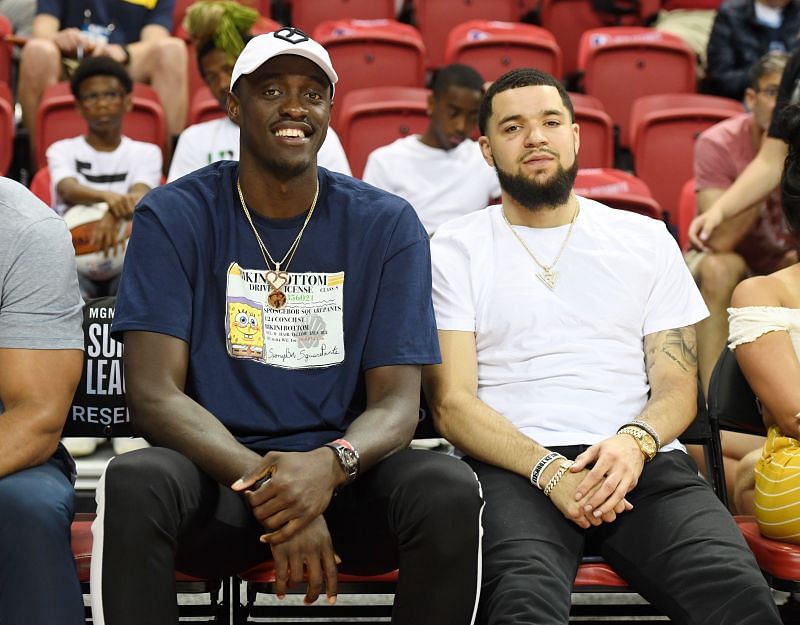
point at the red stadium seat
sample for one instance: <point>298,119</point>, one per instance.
<point>6,127</point>
<point>668,125</point>
<point>204,107</point>
<point>687,209</point>
<point>372,53</point>
<point>618,189</point>
<point>493,48</point>
<point>620,64</point>
<point>5,51</point>
<point>309,14</point>
<point>40,186</point>
<point>597,131</point>
<point>371,118</point>
<point>436,18</point>
<point>57,118</point>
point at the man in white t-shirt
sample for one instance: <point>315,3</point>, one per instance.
<point>568,370</point>
<point>441,172</point>
<point>216,140</point>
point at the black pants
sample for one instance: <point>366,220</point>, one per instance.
<point>678,547</point>
<point>157,511</point>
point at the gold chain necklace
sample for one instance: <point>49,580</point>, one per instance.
<point>278,277</point>
<point>548,276</point>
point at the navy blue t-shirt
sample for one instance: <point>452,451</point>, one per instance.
<point>127,17</point>
<point>290,378</point>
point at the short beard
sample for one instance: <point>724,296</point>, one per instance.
<point>536,196</point>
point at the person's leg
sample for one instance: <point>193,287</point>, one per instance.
<point>680,548</point>
<point>38,581</point>
<point>744,489</point>
<point>163,64</point>
<point>419,510</point>
<point>39,67</point>
<point>158,512</point>
<point>530,552</point>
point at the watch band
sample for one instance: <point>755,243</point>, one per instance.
<point>348,458</point>
<point>638,434</point>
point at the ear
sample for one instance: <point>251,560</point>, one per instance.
<point>431,102</point>
<point>128,102</point>
<point>749,98</point>
<point>232,106</point>
<point>486,150</point>
<point>576,133</point>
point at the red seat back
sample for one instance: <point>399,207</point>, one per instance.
<point>687,209</point>
<point>493,48</point>
<point>309,14</point>
<point>375,117</point>
<point>204,107</point>
<point>621,64</point>
<point>618,189</point>
<point>40,186</point>
<point>57,118</point>
<point>372,53</point>
<point>436,18</point>
<point>6,127</point>
<point>664,129</point>
<point>597,131</point>
<point>5,51</point>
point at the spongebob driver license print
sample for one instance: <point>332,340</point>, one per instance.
<point>305,332</point>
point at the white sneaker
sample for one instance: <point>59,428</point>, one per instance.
<point>79,446</point>
<point>123,445</point>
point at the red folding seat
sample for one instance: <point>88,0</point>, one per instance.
<point>309,14</point>
<point>371,118</point>
<point>6,127</point>
<point>620,64</point>
<point>663,132</point>
<point>597,131</point>
<point>687,209</point>
<point>618,189</point>
<point>372,53</point>
<point>493,48</point>
<point>5,51</point>
<point>436,18</point>
<point>57,118</point>
<point>40,186</point>
<point>204,107</point>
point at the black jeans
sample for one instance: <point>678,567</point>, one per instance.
<point>157,511</point>
<point>678,547</point>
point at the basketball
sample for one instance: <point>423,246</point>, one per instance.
<point>92,263</point>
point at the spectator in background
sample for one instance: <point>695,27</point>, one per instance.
<point>20,13</point>
<point>755,242</point>
<point>219,31</point>
<point>691,20</point>
<point>136,34</point>
<point>745,30</point>
<point>765,334</point>
<point>441,172</point>
<point>41,359</point>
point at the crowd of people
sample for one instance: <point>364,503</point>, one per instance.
<point>279,318</point>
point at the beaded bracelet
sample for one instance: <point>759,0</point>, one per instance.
<point>647,428</point>
<point>544,462</point>
<point>557,476</point>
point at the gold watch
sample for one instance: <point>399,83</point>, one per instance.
<point>646,443</point>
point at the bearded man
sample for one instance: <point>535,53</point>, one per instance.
<point>568,371</point>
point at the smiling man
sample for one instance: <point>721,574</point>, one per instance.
<point>441,172</point>
<point>568,370</point>
<point>275,318</point>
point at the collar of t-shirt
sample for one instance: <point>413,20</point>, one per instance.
<point>768,16</point>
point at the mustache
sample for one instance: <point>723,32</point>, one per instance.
<point>539,152</point>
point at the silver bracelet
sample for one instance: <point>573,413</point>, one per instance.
<point>647,428</point>
<point>557,476</point>
<point>544,462</point>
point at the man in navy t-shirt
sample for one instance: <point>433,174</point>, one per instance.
<point>134,33</point>
<point>275,317</point>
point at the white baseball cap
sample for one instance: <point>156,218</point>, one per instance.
<point>287,40</point>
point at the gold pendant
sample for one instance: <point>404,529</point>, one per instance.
<point>277,279</point>
<point>276,299</point>
<point>548,278</point>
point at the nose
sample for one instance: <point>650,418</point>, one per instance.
<point>293,105</point>
<point>460,125</point>
<point>535,136</point>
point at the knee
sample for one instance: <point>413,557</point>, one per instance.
<point>35,510</point>
<point>132,481</point>
<point>39,57</point>
<point>719,274</point>
<point>169,55</point>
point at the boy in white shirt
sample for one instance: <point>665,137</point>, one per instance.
<point>441,172</point>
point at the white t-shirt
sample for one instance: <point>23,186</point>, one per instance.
<point>133,162</point>
<point>439,184</point>
<point>565,366</point>
<point>218,139</point>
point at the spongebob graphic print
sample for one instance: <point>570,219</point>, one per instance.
<point>307,331</point>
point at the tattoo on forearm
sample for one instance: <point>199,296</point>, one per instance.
<point>679,345</point>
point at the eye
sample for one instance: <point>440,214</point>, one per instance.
<point>552,123</point>
<point>271,92</point>
<point>241,319</point>
<point>511,128</point>
<point>315,96</point>
<point>253,322</point>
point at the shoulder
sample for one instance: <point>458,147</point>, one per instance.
<point>358,196</point>
<point>71,144</point>
<point>731,8</point>
<point>19,208</point>
<point>398,147</point>
<point>624,229</point>
<point>141,147</point>
<point>727,130</point>
<point>468,229</point>
<point>776,289</point>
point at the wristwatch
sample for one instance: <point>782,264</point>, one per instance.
<point>347,456</point>
<point>646,442</point>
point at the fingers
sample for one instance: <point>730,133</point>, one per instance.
<point>329,563</point>
<point>585,459</point>
<point>592,480</point>
<point>262,474</point>
<point>286,532</point>
<point>281,572</point>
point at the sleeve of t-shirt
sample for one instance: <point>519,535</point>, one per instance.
<point>146,167</point>
<point>161,14</point>
<point>185,159</point>
<point>60,162</point>
<point>674,300</point>
<point>41,304</point>
<point>453,301</point>
<point>50,7</point>
<point>785,92</point>
<point>402,329</point>
<point>711,165</point>
<point>155,293</point>
<point>331,154</point>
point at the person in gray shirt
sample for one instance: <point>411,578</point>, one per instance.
<point>41,358</point>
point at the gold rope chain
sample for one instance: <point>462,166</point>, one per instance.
<point>293,248</point>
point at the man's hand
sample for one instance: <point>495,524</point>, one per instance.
<point>310,547</point>
<point>618,463</point>
<point>703,226</point>
<point>298,490</point>
<point>106,235</point>
<point>121,205</point>
<point>563,498</point>
<point>70,40</point>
